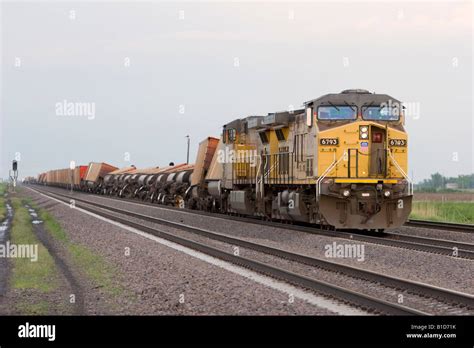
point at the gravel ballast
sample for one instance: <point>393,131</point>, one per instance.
<point>159,280</point>
<point>387,293</point>
<point>439,270</point>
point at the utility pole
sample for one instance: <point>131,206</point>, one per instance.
<point>187,153</point>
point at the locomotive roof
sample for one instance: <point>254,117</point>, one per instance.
<point>278,115</point>
<point>358,97</point>
<point>237,123</point>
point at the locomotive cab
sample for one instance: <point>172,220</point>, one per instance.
<point>362,160</point>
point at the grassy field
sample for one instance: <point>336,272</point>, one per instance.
<point>28,277</point>
<point>95,267</point>
<point>3,210</point>
<point>3,188</point>
<point>40,275</point>
<point>444,196</point>
<point>36,279</point>
<point>447,211</point>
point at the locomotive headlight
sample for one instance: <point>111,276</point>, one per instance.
<point>386,193</point>
<point>363,132</point>
<point>346,193</point>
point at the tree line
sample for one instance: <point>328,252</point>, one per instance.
<point>438,182</point>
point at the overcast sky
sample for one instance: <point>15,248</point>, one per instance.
<point>156,72</point>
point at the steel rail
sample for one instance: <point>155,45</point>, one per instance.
<point>431,245</point>
<point>418,288</point>
<point>361,300</point>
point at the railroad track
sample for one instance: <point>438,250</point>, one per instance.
<point>444,297</point>
<point>449,226</point>
<point>391,239</point>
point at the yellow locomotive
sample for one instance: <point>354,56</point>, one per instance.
<point>341,162</point>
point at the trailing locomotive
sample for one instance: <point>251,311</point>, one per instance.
<point>341,161</point>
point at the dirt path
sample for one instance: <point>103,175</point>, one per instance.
<point>5,228</point>
<point>55,288</point>
<point>59,258</point>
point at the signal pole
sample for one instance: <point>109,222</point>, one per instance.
<point>187,153</point>
<point>14,177</point>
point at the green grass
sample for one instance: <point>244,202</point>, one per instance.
<point>3,210</point>
<point>95,267</point>
<point>41,275</point>
<point>458,212</point>
<point>3,188</point>
<point>39,308</point>
<point>52,226</point>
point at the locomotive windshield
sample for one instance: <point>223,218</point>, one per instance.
<point>380,113</point>
<point>334,112</point>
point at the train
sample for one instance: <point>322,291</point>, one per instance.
<point>339,162</point>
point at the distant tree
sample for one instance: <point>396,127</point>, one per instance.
<point>437,181</point>
<point>466,181</point>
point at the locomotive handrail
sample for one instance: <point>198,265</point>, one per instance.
<point>326,172</point>
<point>261,181</point>
<point>264,175</point>
<point>410,183</point>
<point>256,175</point>
<point>275,164</point>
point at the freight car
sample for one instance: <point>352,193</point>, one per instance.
<point>140,183</point>
<point>170,185</point>
<point>165,185</point>
<point>94,177</point>
<point>340,162</point>
<point>64,177</point>
<point>111,182</point>
<point>85,178</point>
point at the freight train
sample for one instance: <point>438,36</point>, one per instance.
<point>340,162</point>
